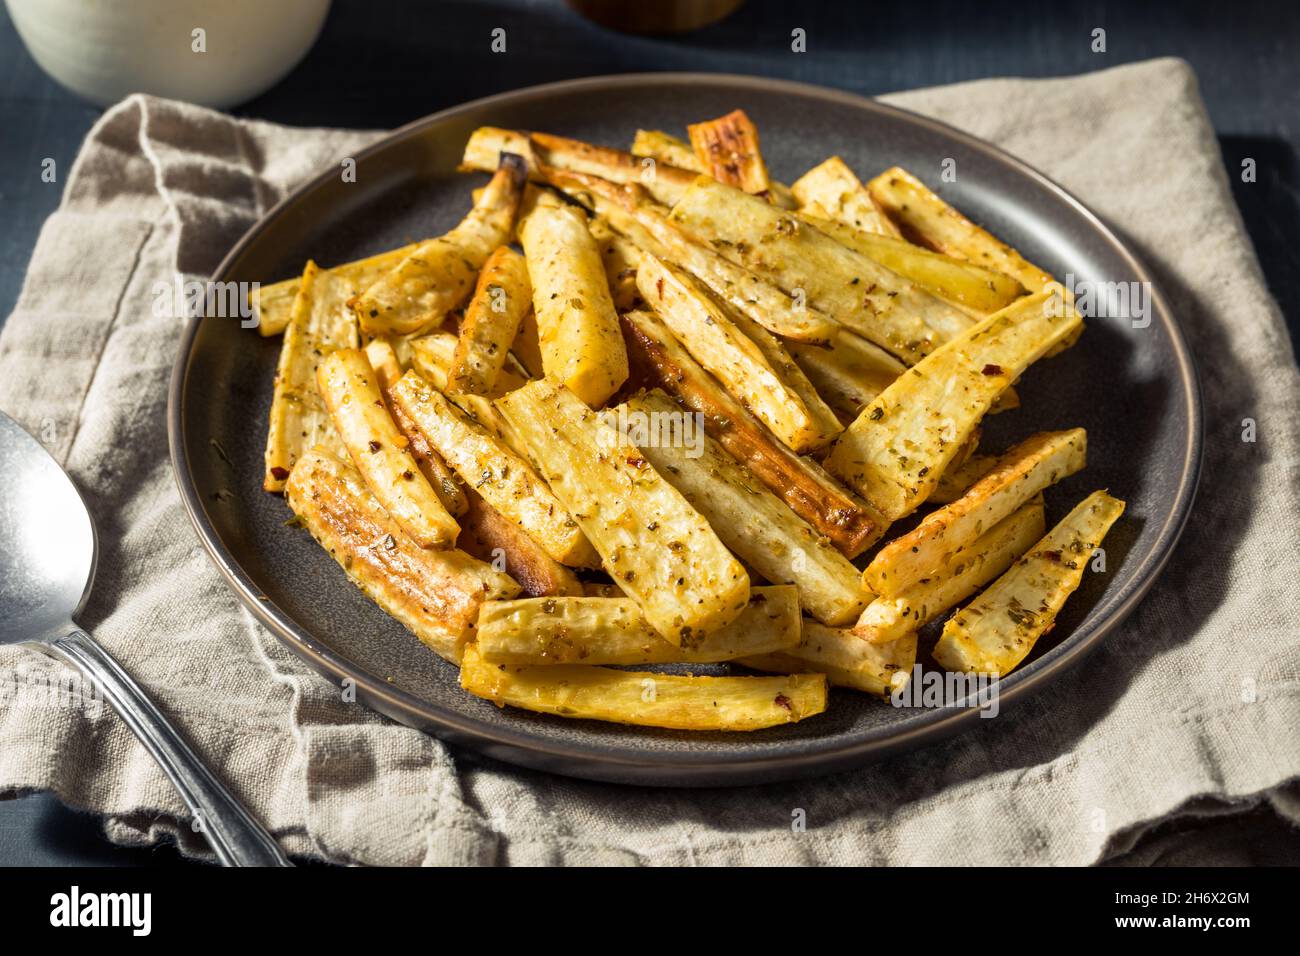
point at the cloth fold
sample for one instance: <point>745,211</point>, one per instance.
<point>1204,721</point>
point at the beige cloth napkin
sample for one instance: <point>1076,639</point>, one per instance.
<point>1206,718</point>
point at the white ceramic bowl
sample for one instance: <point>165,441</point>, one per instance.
<point>107,49</point>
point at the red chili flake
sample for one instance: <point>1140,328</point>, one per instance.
<point>992,369</point>
<point>636,461</point>
<point>279,474</point>
<point>783,701</point>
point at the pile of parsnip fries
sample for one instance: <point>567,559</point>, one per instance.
<point>646,408</point>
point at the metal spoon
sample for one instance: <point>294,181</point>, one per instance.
<point>47,562</point>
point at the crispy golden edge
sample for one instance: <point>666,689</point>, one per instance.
<point>646,699</point>
<point>727,149</point>
<point>491,323</point>
<point>435,594</point>
<point>489,536</point>
<point>1031,466</point>
<point>378,449</point>
<point>612,631</point>
<point>845,659</point>
<point>994,633</point>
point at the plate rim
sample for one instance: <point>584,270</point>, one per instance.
<point>596,761</point>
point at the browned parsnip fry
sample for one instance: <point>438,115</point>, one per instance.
<point>436,594</point>
<point>612,630</point>
<point>809,491</point>
<point>753,366</point>
<point>727,149</point>
<point>849,372</point>
<point>388,370</point>
<point>960,576</point>
<point>486,464</point>
<point>438,275</point>
<point>646,699</point>
<point>647,225</point>
<point>664,182</point>
<point>501,297</point>
<point>994,633</point>
<point>895,451</point>
<point>275,301</point>
<point>299,420</point>
<point>754,523</point>
<point>578,326</point>
<point>1032,465</point>
<point>650,540</point>
<point>621,258</point>
<point>845,659</point>
<point>837,191</point>
<point>350,389</point>
<point>856,291</point>
<point>490,536</point>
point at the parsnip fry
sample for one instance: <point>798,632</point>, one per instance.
<point>858,292</point>
<point>895,451</point>
<point>299,421</point>
<point>647,225</point>
<point>960,576</point>
<point>612,630</point>
<point>646,699</point>
<point>527,348</point>
<point>438,275</point>
<point>849,372</point>
<point>926,219</point>
<point>727,149</point>
<point>578,327</point>
<point>350,389</point>
<point>957,478</point>
<point>650,540</point>
<point>388,371</point>
<point>998,630</point>
<point>431,357</point>
<point>845,659</point>
<point>838,192</point>
<point>621,258</point>
<point>489,536</point>
<point>809,491</point>
<point>1032,465</point>
<point>491,322</point>
<point>666,148</point>
<point>745,357</point>
<point>435,594</point>
<point>752,521</point>
<point>505,480</point>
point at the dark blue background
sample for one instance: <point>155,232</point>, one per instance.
<point>381,63</point>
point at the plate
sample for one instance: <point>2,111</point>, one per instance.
<point>1134,389</point>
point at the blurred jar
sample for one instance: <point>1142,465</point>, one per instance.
<point>655,16</point>
<point>211,52</point>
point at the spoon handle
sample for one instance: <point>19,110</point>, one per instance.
<point>235,836</point>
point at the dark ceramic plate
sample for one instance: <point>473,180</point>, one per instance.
<point>1134,389</point>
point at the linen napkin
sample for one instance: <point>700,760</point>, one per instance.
<point>1207,721</point>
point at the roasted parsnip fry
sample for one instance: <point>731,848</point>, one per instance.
<point>956,478</point>
<point>754,523</point>
<point>275,301</point>
<point>666,148</point>
<point>903,441</point>
<point>745,357</point>
<point>388,370</point>
<point>351,392</point>
<point>299,421</point>
<point>577,324</point>
<point>727,149</point>
<point>927,220</point>
<point>650,540</point>
<point>489,536</point>
<point>960,576</point>
<point>646,699</point>
<point>647,225</point>
<point>431,357</point>
<point>621,258</point>
<point>811,493</point>
<point>485,463</point>
<point>664,182</point>
<point>845,659</point>
<point>612,630</point>
<point>502,296</point>
<point>858,292</point>
<point>1032,465</point>
<point>849,372</point>
<point>838,192</point>
<point>436,594</point>
<point>438,275</point>
<point>998,629</point>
